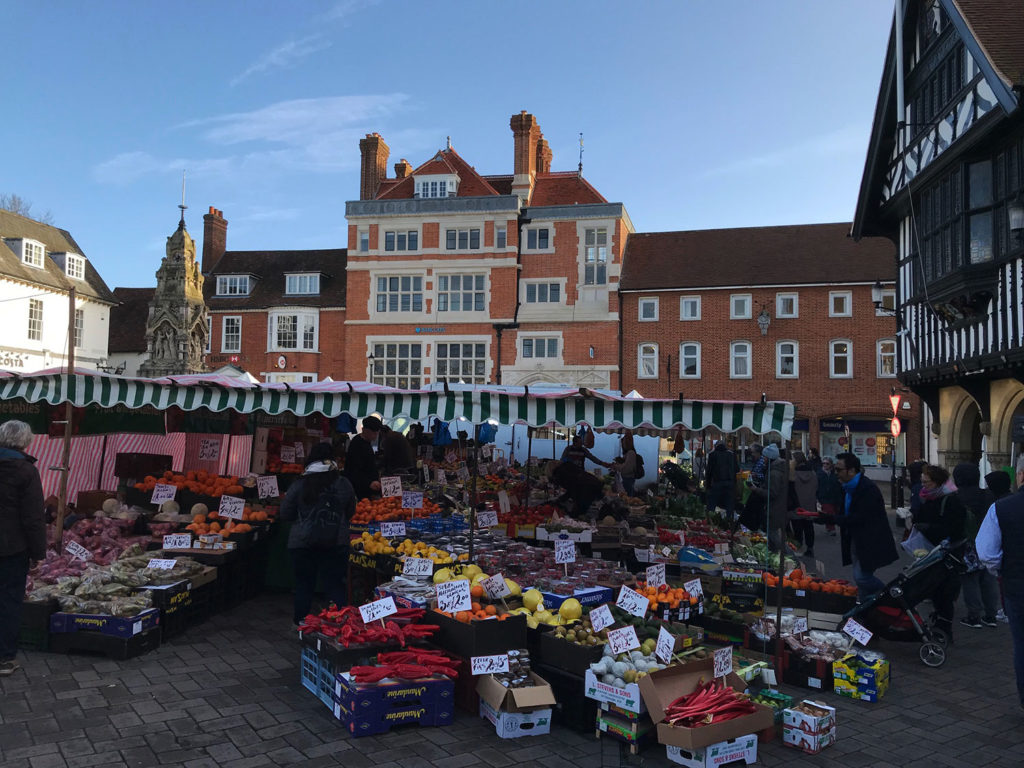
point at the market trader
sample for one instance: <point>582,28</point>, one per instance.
<point>1000,545</point>
<point>577,454</point>
<point>360,462</point>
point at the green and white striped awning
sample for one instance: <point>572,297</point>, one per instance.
<point>564,408</point>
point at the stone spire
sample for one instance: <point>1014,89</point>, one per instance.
<point>176,329</point>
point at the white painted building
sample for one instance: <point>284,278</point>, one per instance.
<point>39,263</point>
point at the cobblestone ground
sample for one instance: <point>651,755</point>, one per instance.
<point>227,693</point>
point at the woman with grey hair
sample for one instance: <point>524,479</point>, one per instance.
<point>22,532</point>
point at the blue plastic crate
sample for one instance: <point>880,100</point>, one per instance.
<point>317,676</point>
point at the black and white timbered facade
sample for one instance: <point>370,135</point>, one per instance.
<point>944,179</point>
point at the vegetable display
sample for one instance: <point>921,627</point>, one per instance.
<point>347,627</point>
<point>712,702</point>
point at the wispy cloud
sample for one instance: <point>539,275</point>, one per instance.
<point>851,138</point>
<point>128,167</point>
<point>284,56</point>
<point>260,215</point>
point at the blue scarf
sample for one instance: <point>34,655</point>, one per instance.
<point>850,487</point>
<point>10,453</point>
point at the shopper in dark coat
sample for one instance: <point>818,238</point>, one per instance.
<point>22,532</point>
<point>865,535</point>
<point>805,485</point>
<point>942,517</point>
<point>361,462</point>
<point>775,492</point>
<point>319,505</point>
<point>980,587</point>
<point>830,492</point>
<point>721,474</point>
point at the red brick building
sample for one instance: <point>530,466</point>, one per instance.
<point>783,312</point>
<point>482,279</point>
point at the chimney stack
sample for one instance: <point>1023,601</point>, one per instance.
<point>544,155</point>
<point>526,135</point>
<point>402,168</point>
<point>374,168</point>
<point>215,239</point>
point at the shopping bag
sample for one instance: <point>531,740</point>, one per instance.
<point>916,540</point>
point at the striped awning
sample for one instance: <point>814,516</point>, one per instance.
<point>561,408</point>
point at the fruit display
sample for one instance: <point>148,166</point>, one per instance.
<point>389,509</point>
<point>582,633</point>
<point>797,579</point>
<point>626,668</point>
<point>276,467</point>
<point>198,481</point>
<point>537,613</point>
<point>665,596</point>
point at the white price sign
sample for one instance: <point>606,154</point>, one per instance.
<point>565,551</point>
<point>666,645</point>
<point>453,596</point>
<point>632,602</point>
<point>858,631</point>
<point>656,575</point>
<point>77,551</point>
<point>694,587</point>
<point>412,500</point>
<point>487,450</point>
<point>486,518</point>
<point>161,565</point>
<point>287,454</point>
<point>601,617</point>
<point>231,507</point>
<point>723,661</point>
<point>266,487</point>
<point>623,640</point>
<point>496,587</point>
<point>392,530</point>
<point>426,472</point>
<point>451,457</point>
<point>178,541</point>
<point>209,449</point>
<point>390,486</point>
<point>799,626</point>
<point>488,665</point>
<point>418,566</point>
<point>503,502</point>
<point>378,609</point>
<point>463,473</point>
<point>300,452</point>
<point>163,492</point>
<point>440,476</point>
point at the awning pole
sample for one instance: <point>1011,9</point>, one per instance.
<point>65,462</point>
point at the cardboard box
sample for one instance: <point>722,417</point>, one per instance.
<point>628,698</point>
<point>516,712</point>
<point>512,725</point>
<point>369,708</point>
<point>801,721</point>
<point>107,625</point>
<point>867,681</point>
<point>742,748</point>
<point>478,638</point>
<point>204,577</point>
<point>590,596</point>
<point>659,689</point>
<point>811,743</point>
<point>544,534</point>
<point>569,657</point>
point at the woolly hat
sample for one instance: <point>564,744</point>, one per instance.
<point>771,452</point>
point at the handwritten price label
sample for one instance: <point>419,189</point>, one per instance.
<point>300,452</point>
<point>487,450</point>
<point>503,502</point>
<point>418,566</point>
<point>565,551</point>
<point>488,665</point>
<point>632,602</point>
<point>426,473</point>
<point>77,551</point>
<point>390,486</point>
<point>378,609</point>
<point>163,492</point>
<point>178,541</point>
<point>496,587</point>
<point>601,617</point>
<point>161,565</point>
<point>656,575</point>
<point>440,476</point>
<point>666,645</point>
<point>412,500</point>
<point>694,587</point>
<point>392,530</point>
<point>723,661</point>
<point>266,487</point>
<point>623,640</point>
<point>450,457</point>
<point>486,518</point>
<point>231,507</point>
<point>453,596</point>
<point>287,454</point>
<point>209,450</point>
<point>858,631</point>
<point>463,473</point>
<point>799,626</point>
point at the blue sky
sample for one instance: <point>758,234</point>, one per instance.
<point>695,114</point>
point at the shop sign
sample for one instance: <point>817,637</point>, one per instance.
<point>11,359</point>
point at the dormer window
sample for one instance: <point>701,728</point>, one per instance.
<point>74,266</point>
<point>307,284</point>
<point>233,285</point>
<point>437,186</point>
<point>32,253</point>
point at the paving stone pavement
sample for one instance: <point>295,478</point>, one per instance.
<point>226,694</point>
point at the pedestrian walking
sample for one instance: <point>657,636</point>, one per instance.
<point>720,478</point>
<point>360,461</point>
<point>319,505</point>
<point>865,536</point>
<point>1000,547</point>
<point>753,515</point>
<point>805,486</point>
<point>830,492</point>
<point>775,492</point>
<point>941,518</point>
<point>22,533</point>
<point>980,587</point>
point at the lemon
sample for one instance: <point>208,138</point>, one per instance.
<point>478,578</point>
<point>472,570</point>
<point>444,574</point>
<point>532,599</point>
<point>513,588</point>
<point>570,609</point>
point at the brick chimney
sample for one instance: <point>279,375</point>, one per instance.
<point>402,168</point>
<point>215,239</point>
<point>374,168</point>
<point>544,155</point>
<point>526,134</point>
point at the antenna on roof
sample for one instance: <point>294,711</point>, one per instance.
<point>449,141</point>
<point>579,171</point>
<point>181,223</point>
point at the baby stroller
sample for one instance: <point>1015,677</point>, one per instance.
<point>893,614</point>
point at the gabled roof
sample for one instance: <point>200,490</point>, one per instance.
<point>51,275</point>
<point>563,188</point>
<point>446,161</point>
<point>269,269</point>
<point>128,320</point>
<point>993,33</point>
<point>751,256</point>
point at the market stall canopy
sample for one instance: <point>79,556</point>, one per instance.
<point>541,406</point>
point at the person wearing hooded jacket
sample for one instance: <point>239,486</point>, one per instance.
<point>980,587</point>
<point>319,505</point>
<point>22,533</point>
<point>805,485</point>
<point>775,491</point>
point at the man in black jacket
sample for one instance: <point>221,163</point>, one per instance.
<point>721,478</point>
<point>22,532</point>
<point>360,462</point>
